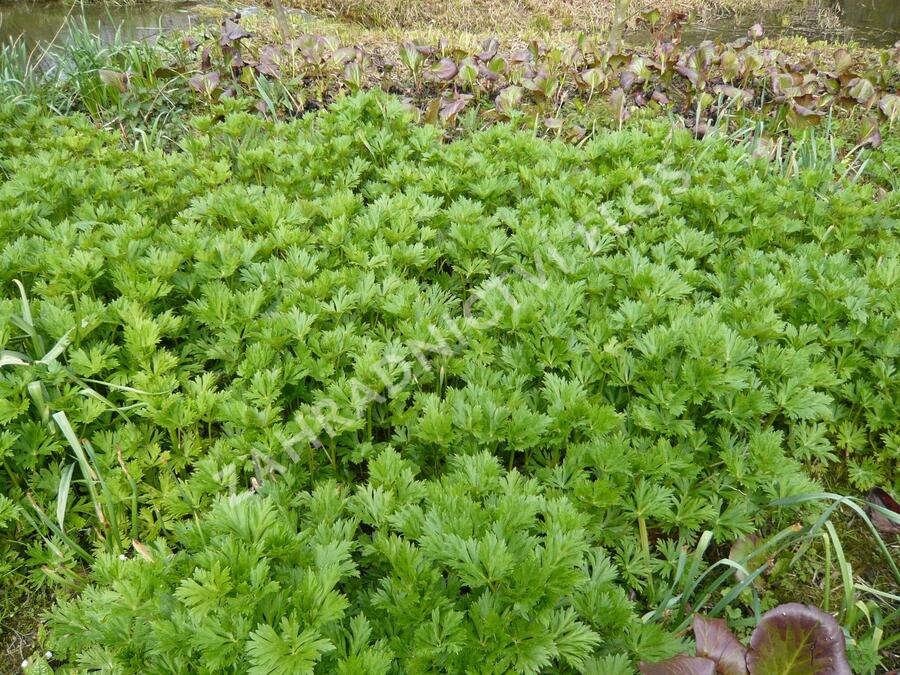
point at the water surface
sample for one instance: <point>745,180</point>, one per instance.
<point>874,23</point>
<point>43,21</point>
<point>869,22</point>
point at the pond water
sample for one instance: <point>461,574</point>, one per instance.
<point>870,22</point>
<point>874,23</point>
<point>45,21</point>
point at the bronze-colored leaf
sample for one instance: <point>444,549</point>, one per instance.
<point>795,639</point>
<point>444,70</point>
<point>715,641</point>
<point>842,60</point>
<point>870,133</point>
<point>881,502</point>
<point>488,50</point>
<point>231,32</point>
<point>508,99</point>
<point>205,83</point>
<point>889,104</point>
<point>861,89</point>
<point>452,106</point>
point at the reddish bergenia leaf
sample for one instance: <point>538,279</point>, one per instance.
<point>231,33</point>
<point>520,56</point>
<point>205,83</point>
<point>795,639</point>
<point>488,49</point>
<point>715,641</point>
<point>842,61</point>
<point>861,89</point>
<point>444,69</point>
<point>508,99</point>
<point>487,73</point>
<point>344,55</point>
<point>269,59</point>
<point>680,665</point>
<point>883,522</point>
<point>451,107</point>
<point>890,106</point>
<point>870,135</point>
<point>692,75</point>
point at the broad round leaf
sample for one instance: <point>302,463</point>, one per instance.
<point>715,641</point>
<point>795,639</point>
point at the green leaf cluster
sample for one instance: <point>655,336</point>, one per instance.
<point>511,378</point>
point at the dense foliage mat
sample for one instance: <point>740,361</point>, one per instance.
<point>338,392</point>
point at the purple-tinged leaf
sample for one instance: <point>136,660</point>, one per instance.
<point>231,33</point>
<point>520,56</point>
<point>344,55</point>
<point>576,132</point>
<point>617,103</point>
<point>269,58</point>
<point>738,44</point>
<point>755,32</point>
<point>842,61</point>
<point>205,83</point>
<point>884,523</point>
<point>452,106</point>
<point>468,72</point>
<point>487,73</point>
<point>890,106</point>
<point>627,79</point>
<point>731,66</point>
<point>689,73</point>
<point>444,70</point>
<point>861,89</point>
<point>705,54</point>
<point>498,65</point>
<point>508,99</point>
<point>803,111</point>
<point>795,639</point>
<point>744,551</point>
<point>488,49</point>
<point>733,92</point>
<point>353,76</point>
<point>715,641</point>
<point>594,78</point>
<point>538,48</point>
<point>680,665</point>
<point>870,133</point>
<point>206,58</point>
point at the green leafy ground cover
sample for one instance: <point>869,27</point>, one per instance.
<point>337,392</point>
